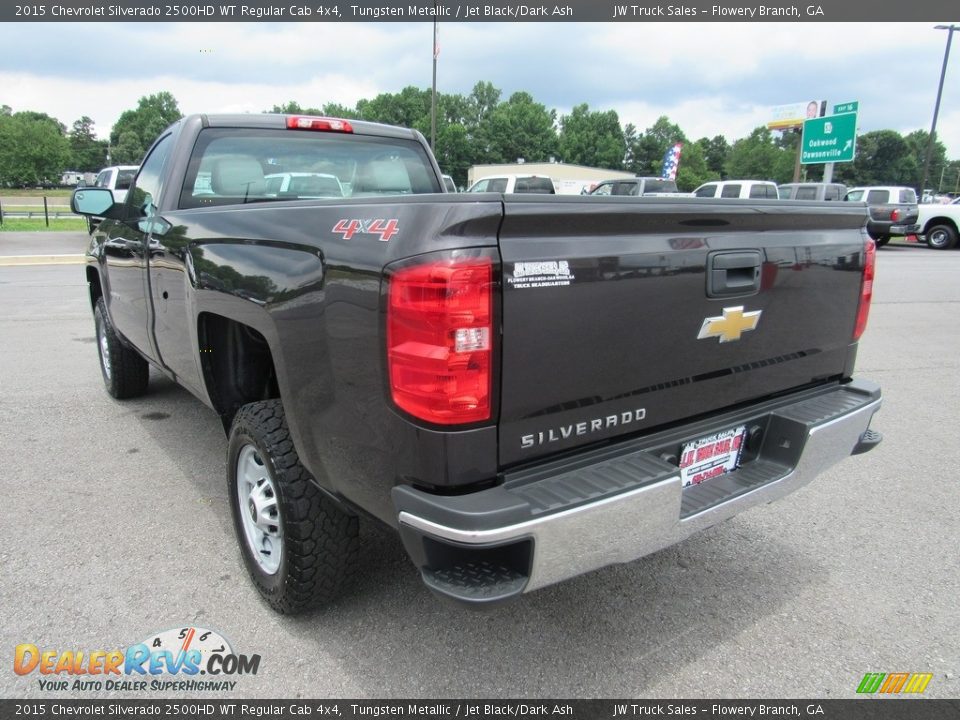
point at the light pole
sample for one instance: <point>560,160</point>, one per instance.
<point>936,107</point>
<point>433,94</point>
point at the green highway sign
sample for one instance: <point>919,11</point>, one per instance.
<point>829,139</point>
<point>846,107</point>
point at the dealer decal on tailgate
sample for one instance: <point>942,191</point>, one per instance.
<point>383,229</point>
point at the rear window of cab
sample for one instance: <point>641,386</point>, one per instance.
<point>231,166</point>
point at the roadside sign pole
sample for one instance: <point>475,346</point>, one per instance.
<point>796,165</point>
<point>828,172</point>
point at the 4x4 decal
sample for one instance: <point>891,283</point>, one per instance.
<point>384,229</point>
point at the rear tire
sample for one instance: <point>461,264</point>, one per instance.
<point>941,237</point>
<point>125,373</point>
<point>299,547</point>
<point>882,240</point>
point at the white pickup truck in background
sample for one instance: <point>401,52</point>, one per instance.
<point>939,224</point>
<point>117,179</point>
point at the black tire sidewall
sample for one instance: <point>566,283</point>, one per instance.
<point>240,436</point>
<point>950,237</point>
<point>102,325</point>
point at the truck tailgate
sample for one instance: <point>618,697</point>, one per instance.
<point>621,315</point>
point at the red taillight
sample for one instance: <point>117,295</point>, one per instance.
<point>895,214</point>
<point>866,287</point>
<point>308,122</point>
<point>440,340</point>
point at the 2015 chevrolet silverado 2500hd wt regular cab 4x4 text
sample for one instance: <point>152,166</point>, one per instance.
<point>525,387</point>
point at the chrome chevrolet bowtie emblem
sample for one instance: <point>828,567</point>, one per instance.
<point>729,326</point>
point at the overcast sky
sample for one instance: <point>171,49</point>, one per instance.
<point>709,78</point>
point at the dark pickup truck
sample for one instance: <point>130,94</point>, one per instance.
<point>526,388</point>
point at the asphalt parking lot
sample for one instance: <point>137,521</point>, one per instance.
<point>117,526</point>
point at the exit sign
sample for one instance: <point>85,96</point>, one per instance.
<point>829,139</point>
<point>846,107</point>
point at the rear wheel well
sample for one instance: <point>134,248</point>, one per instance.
<point>236,363</point>
<point>933,222</point>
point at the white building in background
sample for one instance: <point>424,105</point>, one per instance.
<point>567,179</point>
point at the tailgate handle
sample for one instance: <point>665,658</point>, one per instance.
<point>733,273</point>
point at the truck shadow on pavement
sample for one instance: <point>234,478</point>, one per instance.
<point>616,632</point>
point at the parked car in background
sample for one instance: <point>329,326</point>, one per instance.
<point>295,185</point>
<point>449,184</point>
<point>650,186</point>
<point>939,224</point>
<point>893,210</point>
<point>117,179</point>
<point>733,189</point>
<point>812,191</point>
<point>534,184</point>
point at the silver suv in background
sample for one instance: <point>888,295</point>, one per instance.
<point>734,189</point>
<point>812,191</point>
<point>650,186</point>
<point>535,184</point>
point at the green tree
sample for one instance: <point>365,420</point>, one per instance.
<point>645,153</point>
<point>480,103</point>
<point>882,158</point>
<point>520,128</point>
<point>33,149</point>
<point>87,153</point>
<point>136,129</point>
<point>694,170</point>
<point>758,157</point>
<point>408,108</point>
<point>917,142</point>
<point>715,152</point>
<point>292,107</point>
<point>592,138</point>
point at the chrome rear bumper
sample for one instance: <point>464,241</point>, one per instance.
<point>540,528</point>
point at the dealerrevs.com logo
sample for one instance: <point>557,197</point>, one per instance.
<point>187,659</point>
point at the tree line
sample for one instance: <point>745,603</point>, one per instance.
<point>483,127</point>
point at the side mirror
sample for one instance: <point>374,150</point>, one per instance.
<point>91,201</point>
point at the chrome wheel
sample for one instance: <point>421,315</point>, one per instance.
<point>941,237</point>
<point>104,351</point>
<point>259,510</point>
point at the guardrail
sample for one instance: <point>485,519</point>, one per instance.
<point>46,213</point>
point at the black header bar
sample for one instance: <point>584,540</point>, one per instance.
<point>852,11</point>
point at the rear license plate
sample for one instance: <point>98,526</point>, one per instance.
<point>711,456</point>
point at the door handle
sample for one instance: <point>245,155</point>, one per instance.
<point>733,274</point>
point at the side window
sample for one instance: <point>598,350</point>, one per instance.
<point>274,183</point>
<point>832,193</point>
<point>908,196</point>
<point>707,191</point>
<point>145,189</point>
<point>124,178</point>
<point>480,186</point>
<point>626,188</point>
<point>603,189</point>
<point>498,185</point>
<point>806,193</point>
<point>731,191</point>
<point>854,196</point>
<point>878,197</point>
<point>103,179</point>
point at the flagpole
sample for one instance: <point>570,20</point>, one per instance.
<point>433,96</point>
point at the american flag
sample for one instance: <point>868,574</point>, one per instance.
<point>671,161</point>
